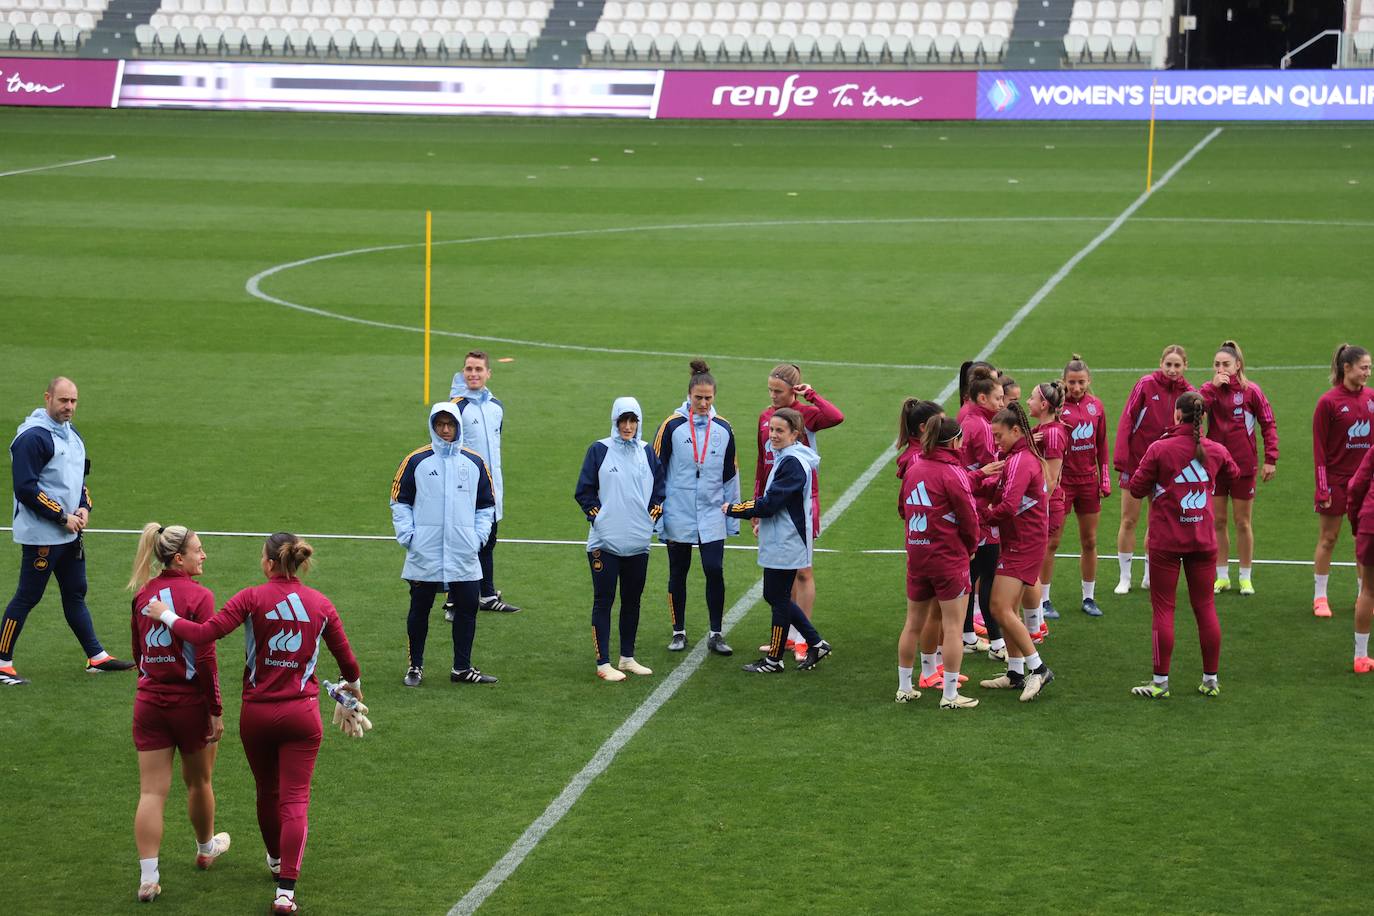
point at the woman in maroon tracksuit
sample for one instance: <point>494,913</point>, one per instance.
<point>1148,412</point>
<point>941,534</point>
<point>177,701</point>
<point>1235,406</point>
<point>1180,473</point>
<point>1018,504</point>
<point>981,397</point>
<point>1052,439</point>
<point>1342,431</point>
<point>1087,478</point>
<point>1360,500</point>
<point>280,722</point>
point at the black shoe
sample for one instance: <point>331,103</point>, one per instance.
<point>814,654</point>
<point>470,676</point>
<point>1090,608</point>
<point>716,643</point>
<point>678,642</point>
<point>109,664</point>
<point>494,603</point>
<point>764,665</point>
<point>414,674</point>
<point>448,611</point>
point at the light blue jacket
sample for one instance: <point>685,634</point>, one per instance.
<point>620,489</point>
<point>483,419</point>
<point>701,476</point>
<point>442,507</point>
<point>48,465</point>
<point>784,509</point>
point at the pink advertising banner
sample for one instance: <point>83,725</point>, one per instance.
<point>59,83</point>
<point>818,95</point>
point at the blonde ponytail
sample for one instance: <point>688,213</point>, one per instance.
<point>156,544</point>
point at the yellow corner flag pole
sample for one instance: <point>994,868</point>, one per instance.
<point>1150,155</point>
<point>429,221</point>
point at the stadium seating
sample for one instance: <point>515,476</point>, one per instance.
<point>51,26</point>
<point>800,33</point>
<point>1130,33</point>
<point>1361,48</point>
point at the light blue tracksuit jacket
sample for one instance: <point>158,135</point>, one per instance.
<point>483,419</point>
<point>620,489</point>
<point>701,477</point>
<point>48,461</point>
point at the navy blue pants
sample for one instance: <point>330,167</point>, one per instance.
<point>713,565</point>
<point>67,562</point>
<point>484,558</point>
<point>777,591</point>
<point>608,569</point>
<point>463,595</point>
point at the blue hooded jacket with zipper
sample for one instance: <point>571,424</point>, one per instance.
<point>620,488</point>
<point>784,509</point>
<point>48,467</point>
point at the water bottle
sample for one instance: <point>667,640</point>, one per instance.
<point>341,696</point>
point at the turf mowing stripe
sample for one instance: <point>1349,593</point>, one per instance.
<point>601,760</point>
<point>60,165</point>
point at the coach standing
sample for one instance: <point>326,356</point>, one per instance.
<point>51,507</point>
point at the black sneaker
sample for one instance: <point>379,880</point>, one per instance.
<point>716,643</point>
<point>764,665</point>
<point>1090,608</point>
<point>470,676</point>
<point>414,674</point>
<point>814,654</point>
<point>678,642</point>
<point>110,663</point>
<point>448,611</point>
<point>494,603</point>
<point>10,678</point>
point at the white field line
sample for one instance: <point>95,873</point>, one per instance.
<point>555,542</point>
<point>59,165</point>
<point>560,806</point>
<point>254,284</point>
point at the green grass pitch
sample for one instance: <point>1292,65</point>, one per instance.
<point>201,404</point>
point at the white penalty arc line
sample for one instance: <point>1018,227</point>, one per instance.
<point>254,284</point>
<point>59,165</point>
<point>601,760</point>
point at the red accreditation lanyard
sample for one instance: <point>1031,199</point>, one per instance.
<point>699,459</point>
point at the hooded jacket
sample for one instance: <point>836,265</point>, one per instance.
<point>784,510</point>
<point>483,417</point>
<point>1148,412</point>
<point>49,467</point>
<point>1233,412</point>
<point>443,505</point>
<point>701,474</point>
<point>1181,488</point>
<point>620,488</point>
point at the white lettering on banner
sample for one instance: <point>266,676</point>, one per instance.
<point>780,98</point>
<point>843,97</point>
<point>1205,95</point>
<point>17,83</point>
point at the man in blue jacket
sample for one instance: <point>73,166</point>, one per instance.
<point>443,507</point>
<point>51,508</point>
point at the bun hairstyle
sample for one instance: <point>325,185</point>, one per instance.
<point>288,553</point>
<point>1346,355</point>
<point>915,414</point>
<point>967,374</point>
<point>157,544</point>
<point>1014,415</point>
<point>939,432</point>
<point>1174,348</point>
<point>982,379</point>
<point>1076,364</point>
<point>787,372</point>
<point>1232,349</point>
<point>1191,409</point>
<point>1053,394</point>
<point>701,375</point>
<point>791,417</point>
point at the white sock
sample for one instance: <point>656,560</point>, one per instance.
<point>1224,572</point>
<point>951,684</point>
<point>147,869</point>
<point>1033,661</point>
<point>1209,679</point>
<point>977,608</point>
<point>927,665</point>
<point>205,848</point>
<point>1045,594</point>
<point>970,639</point>
<point>1319,583</point>
<point>903,679</point>
<point>1245,572</point>
<point>1016,665</point>
<point>794,634</point>
<point>940,657</point>
<point>273,863</point>
<point>1039,617</point>
<point>997,644</point>
<point>1361,645</point>
<point>1145,579</point>
<point>1028,616</point>
<point>1089,589</point>
<point>288,894</point>
<point>1124,561</point>
<point>100,656</point>
<point>1162,679</point>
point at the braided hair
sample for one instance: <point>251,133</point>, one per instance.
<point>915,414</point>
<point>1014,415</point>
<point>1191,409</point>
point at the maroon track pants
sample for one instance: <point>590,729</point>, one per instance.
<point>281,741</point>
<point>1200,570</point>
